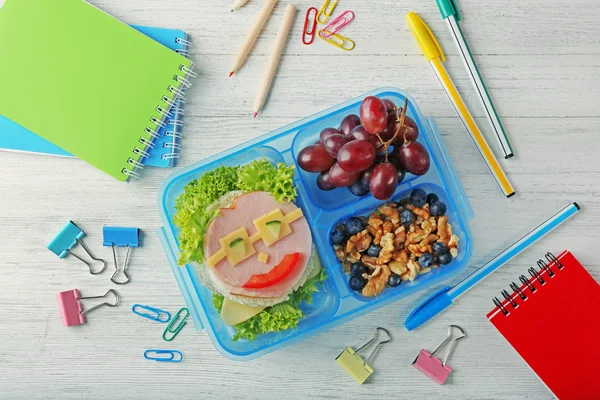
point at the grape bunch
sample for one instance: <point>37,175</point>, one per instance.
<point>367,154</point>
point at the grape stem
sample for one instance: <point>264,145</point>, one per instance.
<point>400,118</point>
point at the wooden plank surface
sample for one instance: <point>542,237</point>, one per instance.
<point>541,62</point>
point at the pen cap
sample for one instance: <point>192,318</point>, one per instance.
<point>427,42</point>
<point>448,8</point>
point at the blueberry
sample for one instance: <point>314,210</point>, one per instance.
<point>437,209</point>
<point>418,197</point>
<point>404,202</point>
<point>354,225</point>
<point>337,235</point>
<point>357,283</point>
<point>426,260</point>
<point>440,248</point>
<point>432,198</point>
<point>395,280</point>
<point>406,217</point>
<point>357,189</point>
<point>357,269</point>
<point>373,250</point>
<point>445,258</point>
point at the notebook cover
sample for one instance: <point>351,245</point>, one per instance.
<point>15,137</point>
<point>85,81</point>
<point>556,329</point>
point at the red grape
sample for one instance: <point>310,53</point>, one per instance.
<point>348,123</point>
<point>401,171</point>
<point>334,143</point>
<point>373,115</point>
<point>410,132</point>
<point>356,156</point>
<point>324,182</point>
<point>359,133</point>
<point>414,157</point>
<point>365,178</point>
<point>389,104</point>
<point>325,133</point>
<point>384,181</point>
<point>340,178</point>
<point>315,158</point>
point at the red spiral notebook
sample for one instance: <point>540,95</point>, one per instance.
<point>552,319</point>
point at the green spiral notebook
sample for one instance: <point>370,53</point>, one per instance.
<point>85,81</point>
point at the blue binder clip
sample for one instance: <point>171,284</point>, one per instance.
<point>66,239</point>
<point>121,237</point>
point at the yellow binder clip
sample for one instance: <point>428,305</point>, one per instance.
<point>354,364</point>
<point>325,12</point>
<point>338,40</point>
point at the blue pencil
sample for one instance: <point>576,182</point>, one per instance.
<point>444,298</point>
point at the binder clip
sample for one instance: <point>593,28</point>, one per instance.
<point>354,364</point>
<point>67,238</point>
<point>432,366</point>
<point>72,310</point>
<point>121,237</point>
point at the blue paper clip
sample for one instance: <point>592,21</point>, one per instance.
<point>156,355</point>
<point>66,239</point>
<point>155,314</point>
<point>121,237</point>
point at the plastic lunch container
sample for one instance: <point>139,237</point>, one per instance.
<point>335,303</point>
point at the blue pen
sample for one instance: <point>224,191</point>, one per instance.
<point>444,298</point>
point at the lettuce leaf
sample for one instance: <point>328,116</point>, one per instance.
<point>280,317</point>
<point>192,216</point>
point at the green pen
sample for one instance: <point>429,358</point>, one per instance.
<point>450,13</point>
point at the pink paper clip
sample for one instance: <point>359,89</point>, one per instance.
<point>306,32</point>
<point>71,308</point>
<point>432,366</point>
<point>337,24</point>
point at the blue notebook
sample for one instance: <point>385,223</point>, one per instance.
<point>165,148</point>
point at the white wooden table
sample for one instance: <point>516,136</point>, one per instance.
<point>539,58</point>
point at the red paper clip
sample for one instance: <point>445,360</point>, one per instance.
<point>337,24</point>
<point>306,33</point>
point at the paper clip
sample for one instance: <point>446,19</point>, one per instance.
<point>155,314</point>
<point>71,308</point>
<point>326,13</point>
<point>354,364</point>
<point>121,237</point>
<point>337,24</point>
<point>157,355</point>
<point>182,323</point>
<point>66,239</point>
<point>432,366</point>
<point>310,33</point>
<point>341,41</point>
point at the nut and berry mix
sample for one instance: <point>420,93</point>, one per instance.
<point>396,243</point>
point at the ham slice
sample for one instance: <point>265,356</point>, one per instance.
<point>242,213</point>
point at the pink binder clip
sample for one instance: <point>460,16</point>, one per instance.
<point>71,308</point>
<point>432,366</point>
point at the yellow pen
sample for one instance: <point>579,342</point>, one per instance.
<point>433,53</point>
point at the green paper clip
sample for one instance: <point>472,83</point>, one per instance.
<point>354,364</point>
<point>182,323</point>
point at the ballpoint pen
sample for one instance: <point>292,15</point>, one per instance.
<point>433,53</point>
<point>443,298</point>
<point>451,15</point>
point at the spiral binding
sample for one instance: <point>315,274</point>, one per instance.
<point>536,276</point>
<point>161,120</point>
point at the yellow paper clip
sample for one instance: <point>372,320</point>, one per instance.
<point>354,364</point>
<point>338,40</point>
<point>324,12</point>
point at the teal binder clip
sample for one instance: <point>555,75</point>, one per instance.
<point>66,239</point>
<point>121,237</point>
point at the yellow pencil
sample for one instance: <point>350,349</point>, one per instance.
<point>433,52</point>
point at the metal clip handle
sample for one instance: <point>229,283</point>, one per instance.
<point>452,341</point>
<point>375,337</point>
<point>123,268</point>
<point>116,303</point>
<point>89,253</point>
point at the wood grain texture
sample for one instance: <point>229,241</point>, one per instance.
<point>541,62</point>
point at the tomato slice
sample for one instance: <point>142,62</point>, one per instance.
<point>276,275</point>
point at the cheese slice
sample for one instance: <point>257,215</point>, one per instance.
<point>263,257</point>
<point>267,234</point>
<point>234,313</point>
<point>233,255</point>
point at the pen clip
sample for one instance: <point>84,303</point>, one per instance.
<point>425,38</point>
<point>448,8</point>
